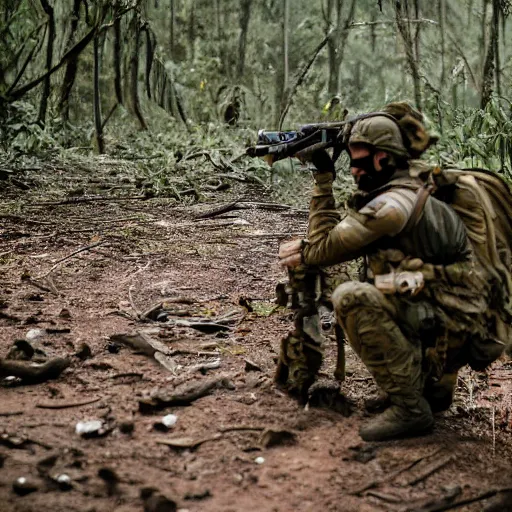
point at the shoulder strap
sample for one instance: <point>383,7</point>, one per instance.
<point>421,198</point>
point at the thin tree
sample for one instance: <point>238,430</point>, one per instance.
<point>100,143</point>
<point>245,16</point>
<point>43,106</point>
<point>71,66</point>
<point>134,72</point>
<point>404,29</point>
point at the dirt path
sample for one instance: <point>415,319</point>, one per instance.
<point>148,251</point>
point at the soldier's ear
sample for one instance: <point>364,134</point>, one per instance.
<point>380,160</point>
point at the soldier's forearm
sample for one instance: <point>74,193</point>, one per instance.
<point>323,244</point>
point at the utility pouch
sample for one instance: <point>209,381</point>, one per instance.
<point>400,282</point>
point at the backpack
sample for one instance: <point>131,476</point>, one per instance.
<point>483,201</point>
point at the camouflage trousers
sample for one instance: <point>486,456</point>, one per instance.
<point>410,345</point>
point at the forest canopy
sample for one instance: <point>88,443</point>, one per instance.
<point>88,73</point>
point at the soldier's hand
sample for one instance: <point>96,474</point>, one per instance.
<point>319,157</point>
<point>290,253</point>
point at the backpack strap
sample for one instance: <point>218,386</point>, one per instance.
<point>419,204</point>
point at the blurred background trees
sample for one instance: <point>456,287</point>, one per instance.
<point>83,72</point>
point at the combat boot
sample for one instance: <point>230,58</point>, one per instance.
<point>399,420</point>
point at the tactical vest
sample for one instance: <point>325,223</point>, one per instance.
<point>435,233</point>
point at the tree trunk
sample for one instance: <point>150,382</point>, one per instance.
<point>496,12</point>
<point>172,28</point>
<point>412,62</point>
<point>134,72</point>
<point>341,45</point>
<point>245,16</point>
<point>118,56</point>
<point>100,143</point>
<point>332,44</point>
<point>489,65</point>
<point>441,5</point>
<point>191,33</point>
<point>150,54</point>
<point>71,66</point>
<point>286,23</point>
<point>43,106</point>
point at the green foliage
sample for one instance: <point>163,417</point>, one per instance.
<point>479,138</point>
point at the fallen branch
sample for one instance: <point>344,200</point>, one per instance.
<point>219,211</point>
<point>78,200</point>
<point>392,476</point>
<point>31,374</point>
<point>427,471</point>
<point>67,405</point>
<point>182,396</point>
<point>479,497</point>
<point>187,442</point>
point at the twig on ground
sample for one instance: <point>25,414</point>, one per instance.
<point>74,253</point>
<point>67,405</point>
<point>429,470</point>
<point>390,498</point>
<point>392,476</point>
<point>127,374</point>
<point>134,307</point>
<point>241,428</point>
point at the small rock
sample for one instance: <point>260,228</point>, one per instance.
<point>63,481</point>
<point>127,427</point>
<point>84,352</point>
<point>65,314</point>
<point>35,334</point>
<point>272,437</point>
<point>87,429</point>
<point>166,423</point>
<point>251,366</point>
<point>23,486</point>
<point>259,460</point>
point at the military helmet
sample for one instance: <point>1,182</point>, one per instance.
<point>380,132</point>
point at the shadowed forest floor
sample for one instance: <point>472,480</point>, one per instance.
<point>222,268</point>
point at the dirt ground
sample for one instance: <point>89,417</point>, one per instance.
<point>152,250</point>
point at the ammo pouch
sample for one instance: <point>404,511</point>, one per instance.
<point>481,353</point>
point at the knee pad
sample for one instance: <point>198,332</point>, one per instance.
<point>354,294</point>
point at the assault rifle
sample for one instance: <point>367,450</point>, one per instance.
<point>274,145</point>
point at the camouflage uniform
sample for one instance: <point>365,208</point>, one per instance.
<point>412,344</point>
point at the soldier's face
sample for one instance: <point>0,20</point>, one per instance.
<point>361,159</point>
<point>366,166</point>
